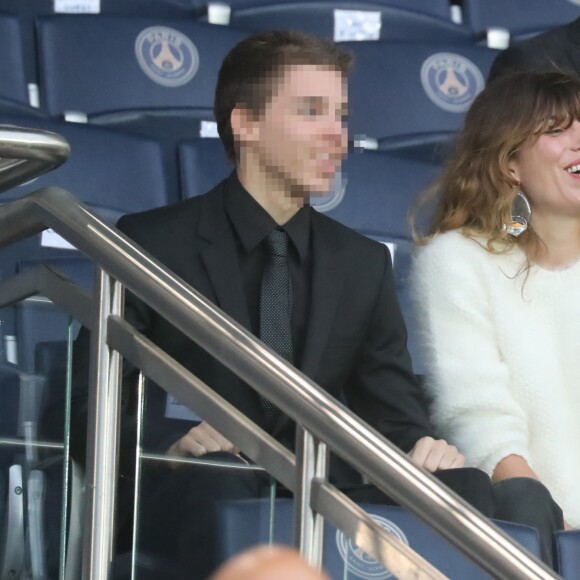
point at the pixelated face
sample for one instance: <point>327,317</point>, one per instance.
<point>549,171</point>
<point>300,137</point>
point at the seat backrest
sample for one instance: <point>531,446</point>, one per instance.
<point>401,91</point>
<point>520,17</point>
<point>39,322</point>
<point>203,164</point>
<point>27,11</point>
<point>113,174</point>
<point>12,67</point>
<point>165,8</point>
<point>351,20</point>
<point>99,64</point>
<point>20,109</point>
<point>10,381</point>
<point>434,8</point>
<point>110,171</point>
<point>50,362</point>
<point>245,523</point>
<point>567,554</point>
<point>373,192</point>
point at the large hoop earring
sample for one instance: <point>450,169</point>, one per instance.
<point>521,215</point>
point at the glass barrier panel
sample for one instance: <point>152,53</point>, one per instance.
<point>35,469</point>
<point>188,510</point>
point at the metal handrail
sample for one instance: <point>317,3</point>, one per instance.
<point>361,446</point>
<point>28,153</point>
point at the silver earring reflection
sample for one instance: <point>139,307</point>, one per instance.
<point>521,214</point>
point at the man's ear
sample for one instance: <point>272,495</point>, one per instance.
<point>244,126</point>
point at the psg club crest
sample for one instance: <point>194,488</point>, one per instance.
<point>358,561</point>
<point>166,56</point>
<point>451,81</point>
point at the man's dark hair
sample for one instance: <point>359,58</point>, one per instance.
<point>250,72</point>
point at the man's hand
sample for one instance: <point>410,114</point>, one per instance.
<point>201,439</point>
<point>435,454</point>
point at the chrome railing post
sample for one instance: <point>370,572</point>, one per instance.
<point>138,455</point>
<point>103,433</point>
<point>311,463</point>
<point>305,467</point>
<point>321,473</point>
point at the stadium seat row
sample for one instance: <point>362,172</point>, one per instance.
<point>157,78</point>
<point>371,19</point>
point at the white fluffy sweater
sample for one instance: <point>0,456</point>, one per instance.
<point>503,359</point>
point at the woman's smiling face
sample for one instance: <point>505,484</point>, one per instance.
<point>549,171</point>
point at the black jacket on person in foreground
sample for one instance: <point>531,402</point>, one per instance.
<point>355,343</point>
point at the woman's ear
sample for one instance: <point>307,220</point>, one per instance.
<point>514,169</point>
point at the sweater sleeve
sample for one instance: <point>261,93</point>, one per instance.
<point>468,380</point>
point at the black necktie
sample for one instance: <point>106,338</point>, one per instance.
<point>276,307</point>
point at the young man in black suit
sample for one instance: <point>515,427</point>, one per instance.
<point>280,105</point>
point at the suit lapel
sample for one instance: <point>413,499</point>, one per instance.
<point>221,261</point>
<point>327,285</point>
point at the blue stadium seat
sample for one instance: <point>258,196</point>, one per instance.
<point>375,191</point>
<point>163,8</point>
<point>203,164</point>
<point>521,17</point>
<point>50,362</point>
<point>246,523</point>
<point>407,94</point>
<point>567,554</point>
<point>111,172</point>
<point>412,97</point>
<point>397,19</point>
<point>152,77</point>
<point>372,195</point>
<point>12,67</point>
<point>40,323</point>
<point>101,65</point>
<point>10,382</point>
<point>19,109</point>
<point>28,10</point>
<point>434,8</point>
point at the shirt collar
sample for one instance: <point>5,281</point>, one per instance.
<point>252,223</point>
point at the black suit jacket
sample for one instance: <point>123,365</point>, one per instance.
<point>556,49</point>
<point>355,346</point>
